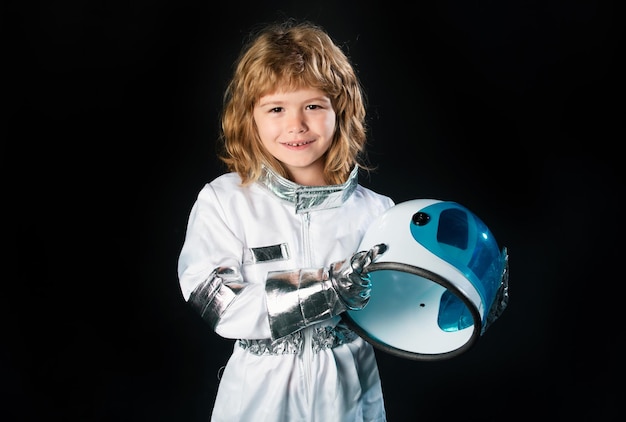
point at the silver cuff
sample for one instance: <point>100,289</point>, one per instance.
<point>211,297</point>
<point>299,298</point>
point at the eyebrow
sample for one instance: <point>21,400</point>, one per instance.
<point>308,100</point>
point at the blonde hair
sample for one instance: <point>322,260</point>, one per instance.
<point>286,56</point>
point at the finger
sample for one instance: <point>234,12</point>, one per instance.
<point>377,250</point>
<point>380,249</point>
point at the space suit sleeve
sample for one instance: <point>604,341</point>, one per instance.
<point>299,298</point>
<point>211,297</point>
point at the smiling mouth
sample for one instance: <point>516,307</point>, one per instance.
<point>297,144</point>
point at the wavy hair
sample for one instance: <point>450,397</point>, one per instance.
<point>287,56</point>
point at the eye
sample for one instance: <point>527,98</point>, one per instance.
<point>313,107</point>
<point>276,109</point>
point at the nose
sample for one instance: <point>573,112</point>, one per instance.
<point>296,123</point>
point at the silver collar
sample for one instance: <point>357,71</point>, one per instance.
<point>309,198</point>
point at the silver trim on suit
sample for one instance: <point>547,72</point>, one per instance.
<point>322,338</point>
<point>299,298</point>
<point>211,297</point>
<point>309,198</point>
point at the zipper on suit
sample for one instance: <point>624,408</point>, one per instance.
<point>307,348</point>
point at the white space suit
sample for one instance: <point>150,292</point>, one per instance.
<point>247,255</point>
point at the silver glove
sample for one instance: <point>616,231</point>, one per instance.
<point>302,297</point>
<point>350,279</point>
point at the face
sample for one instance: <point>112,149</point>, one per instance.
<point>297,128</point>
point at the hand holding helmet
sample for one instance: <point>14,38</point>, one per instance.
<point>350,279</point>
<point>305,296</point>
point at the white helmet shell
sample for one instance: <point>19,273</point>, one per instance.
<point>441,282</point>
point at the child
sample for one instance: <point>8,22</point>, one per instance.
<point>270,255</point>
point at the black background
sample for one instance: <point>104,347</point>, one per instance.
<point>511,108</point>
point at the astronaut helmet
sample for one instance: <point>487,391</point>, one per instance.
<point>440,284</point>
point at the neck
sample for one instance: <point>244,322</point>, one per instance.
<point>309,176</point>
